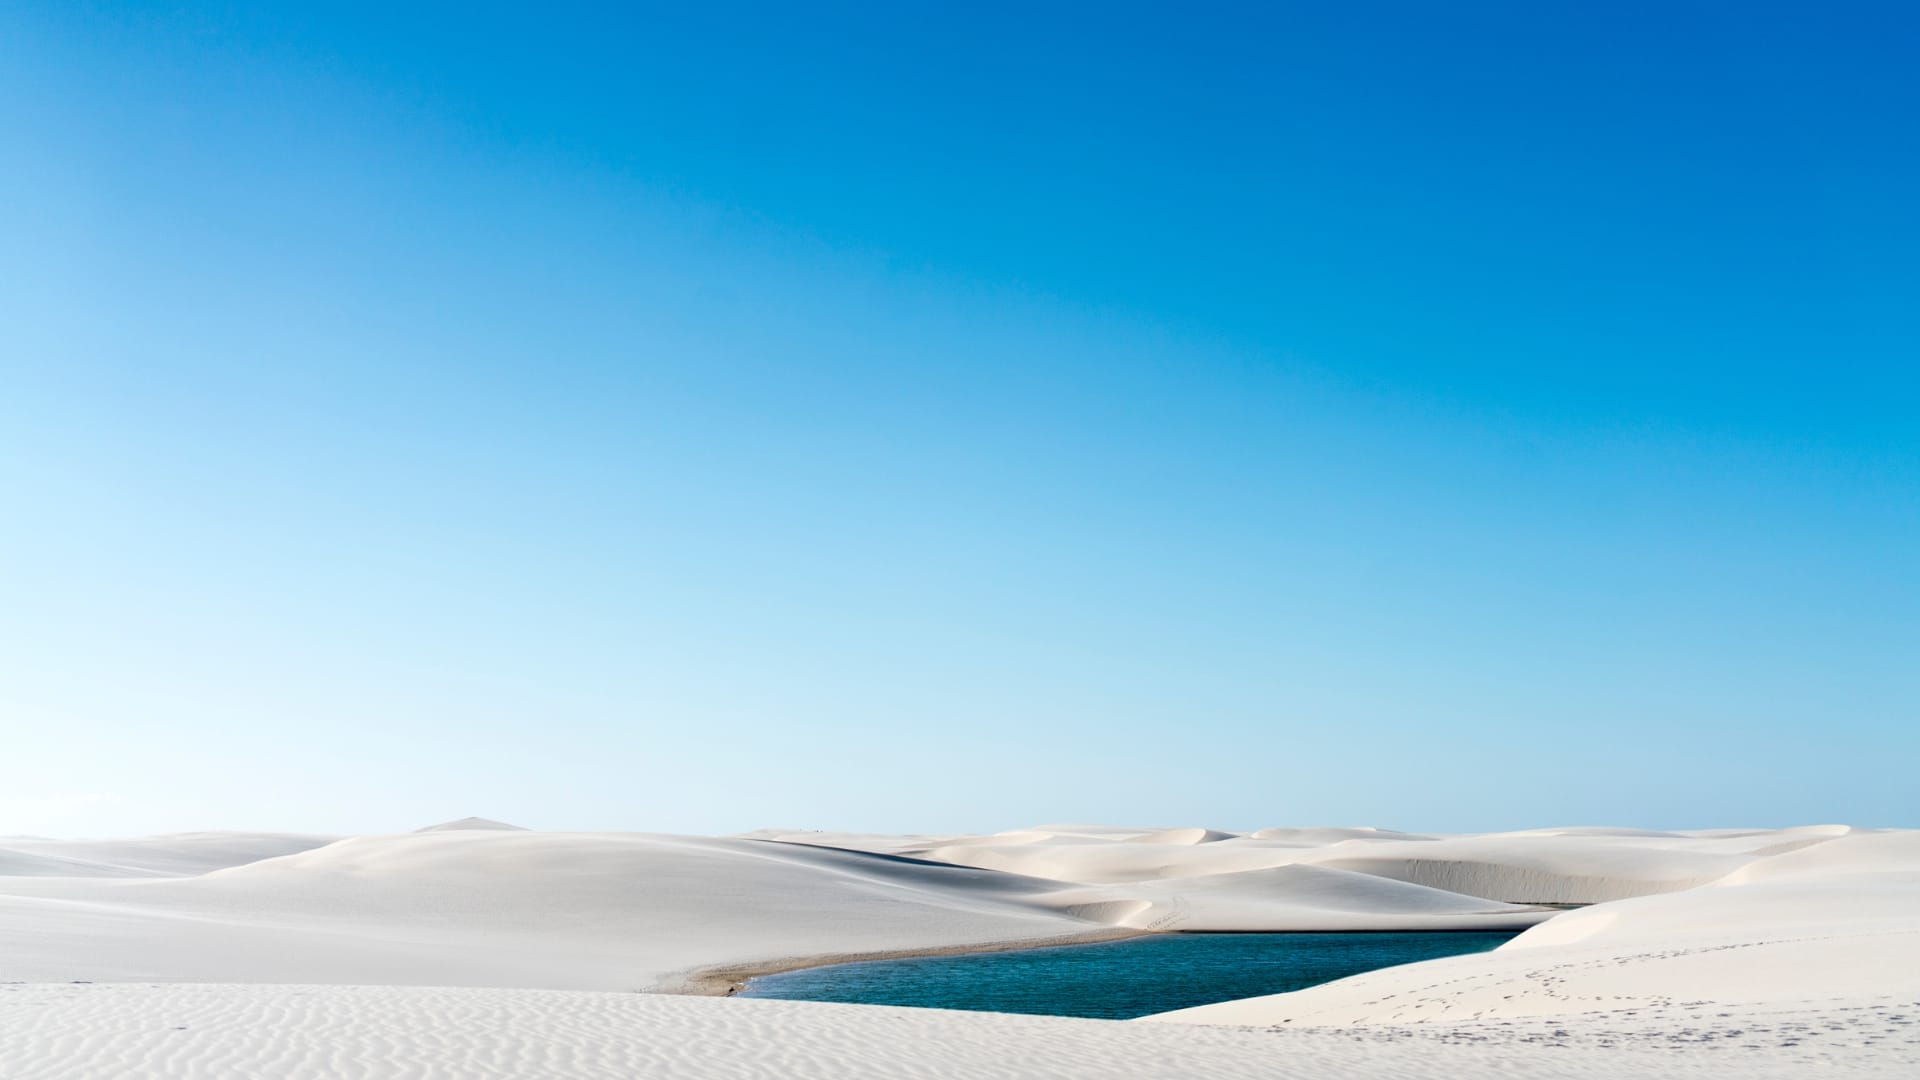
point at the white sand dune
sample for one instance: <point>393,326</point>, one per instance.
<point>1304,898</point>
<point>1543,867</point>
<point>1200,880</point>
<point>478,905</point>
<point>374,1033</point>
<point>510,908</point>
<point>1829,927</point>
<point>1320,837</point>
<point>1850,854</point>
<point>1090,861</point>
<point>878,843</point>
<point>1769,951</point>
<point>1181,836</point>
<point>1537,868</point>
<point>177,855</point>
<point>472,823</point>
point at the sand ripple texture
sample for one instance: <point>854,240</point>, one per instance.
<point>79,1032</point>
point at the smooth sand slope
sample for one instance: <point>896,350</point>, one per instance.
<point>1538,867</point>
<point>1826,926</point>
<point>476,903</point>
<point>179,855</point>
<point>487,907</point>
<point>373,1033</point>
<point>1763,952</point>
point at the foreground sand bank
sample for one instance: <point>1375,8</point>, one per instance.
<point>185,1032</point>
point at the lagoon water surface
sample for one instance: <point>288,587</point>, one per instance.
<point>1118,979</point>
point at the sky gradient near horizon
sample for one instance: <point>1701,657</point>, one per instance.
<point>952,418</point>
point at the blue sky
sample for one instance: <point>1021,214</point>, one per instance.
<point>912,418</point>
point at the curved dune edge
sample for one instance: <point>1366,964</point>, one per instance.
<point>1830,925</point>
<point>467,907</point>
<point>1296,897</point>
<point>1552,866</point>
<point>634,911</point>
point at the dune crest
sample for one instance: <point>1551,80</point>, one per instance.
<point>479,823</point>
<point>1831,924</point>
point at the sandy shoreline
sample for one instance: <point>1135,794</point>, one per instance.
<point>727,980</point>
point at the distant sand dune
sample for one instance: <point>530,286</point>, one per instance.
<point>1181,836</point>
<point>180,854</point>
<point>472,823</point>
<point>510,908</point>
<point>1310,898</point>
<point>1820,926</point>
<point>1546,867</point>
